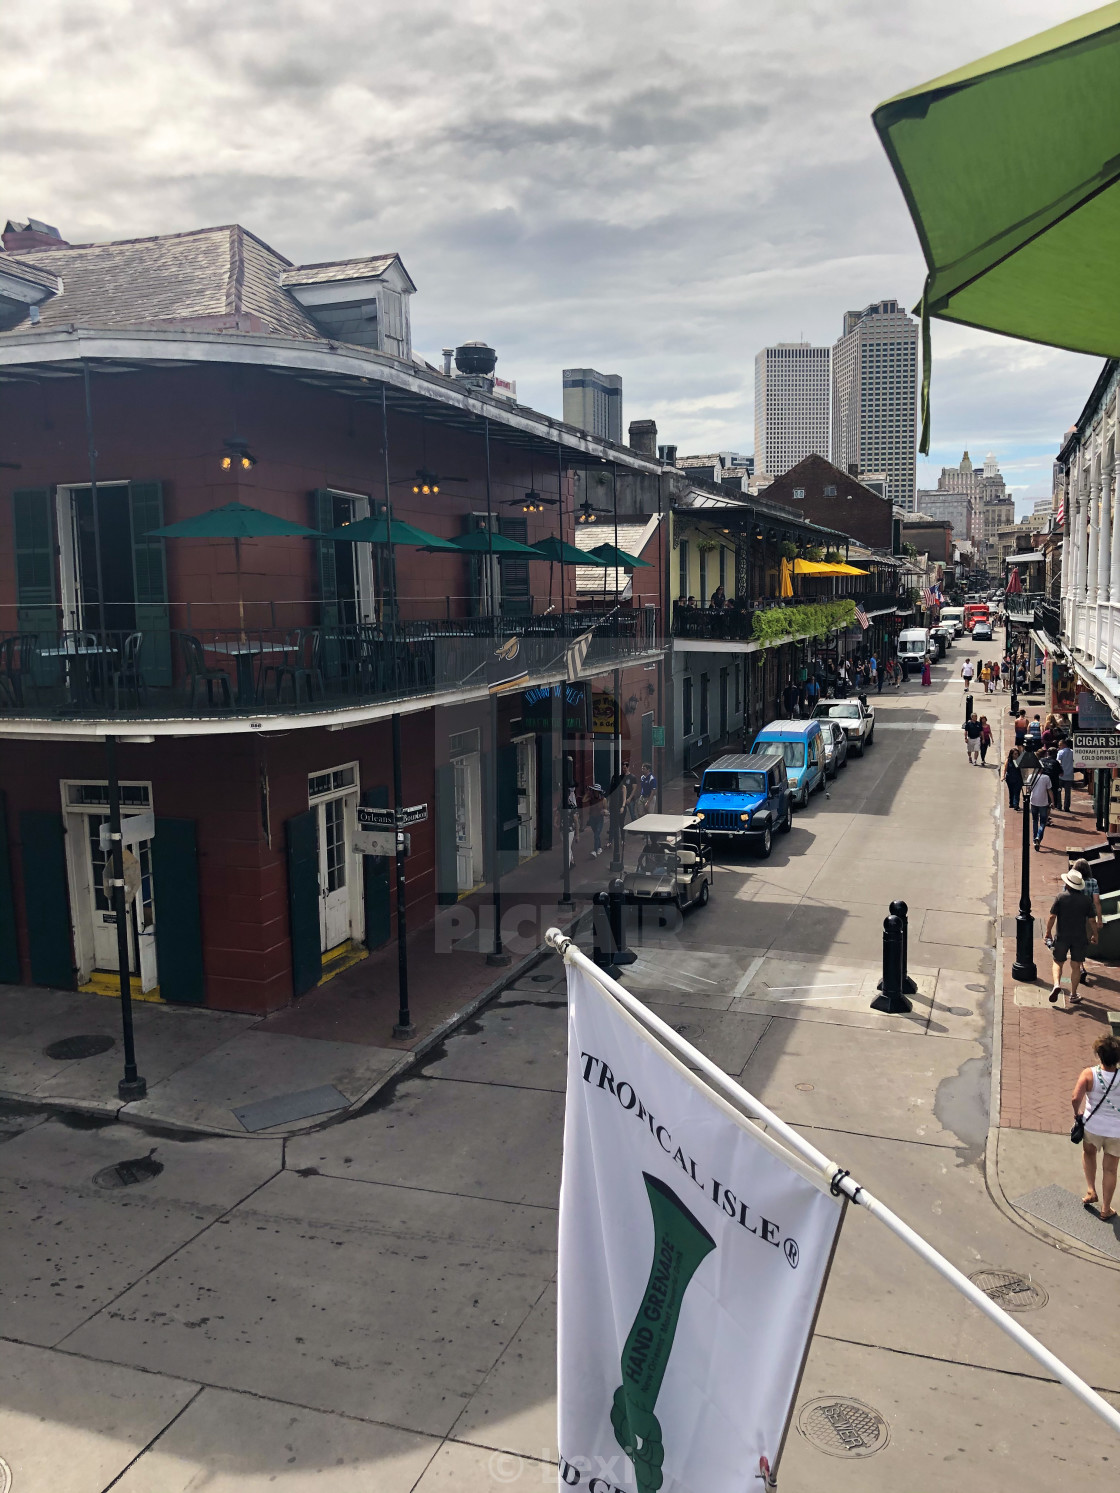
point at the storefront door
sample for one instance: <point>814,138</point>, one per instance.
<point>86,807</point>
<point>526,796</point>
<point>333,796</point>
<point>468,820</point>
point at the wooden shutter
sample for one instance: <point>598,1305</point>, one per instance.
<point>36,570</point>
<point>322,518</point>
<point>447,877</point>
<point>178,912</point>
<point>508,825</point>
<point>46,899</point>
<point>149,580</point>
<point>546,763</point>
<point>10,972</point>
<point>303,901</point>
<point>517,600</point>
<point>377,881</point>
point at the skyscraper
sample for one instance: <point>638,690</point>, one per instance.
<point>875,396</point>
<point>791,389</point>
<point>593,402</point>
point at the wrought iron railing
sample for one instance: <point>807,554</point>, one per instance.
<point>736,622</point>
<point>261,671</point>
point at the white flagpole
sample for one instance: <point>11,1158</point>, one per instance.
<point>840,1181</point>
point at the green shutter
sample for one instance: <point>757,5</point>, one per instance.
<point>545,787</point>
<point>517,599</point>
<point>302,837</point>
<point>508,827</point>
<point>377,884</point>
<point>149,580</point>
<point>46,899</point>
<point>10,972</point>
<point>36,570</point>
<point>178,914</point>
<point>322,518</point>
<point>447,877</point>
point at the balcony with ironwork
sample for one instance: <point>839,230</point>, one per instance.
<point>736,622</point>
<point>214,679</point>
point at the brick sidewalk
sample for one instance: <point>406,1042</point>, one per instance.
<point>1045,1048</point>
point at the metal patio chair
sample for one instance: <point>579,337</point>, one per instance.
<point>194,662</point>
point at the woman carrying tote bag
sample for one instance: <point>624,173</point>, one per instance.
<point>1096,1124</point>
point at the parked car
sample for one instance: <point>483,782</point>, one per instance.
<point>982,632</point>
<point>835,747</point>
<point>674,860</point>
<point>802,749</point>
<point>745,799</point>
<point>913,648</point>
<point>855,717</point>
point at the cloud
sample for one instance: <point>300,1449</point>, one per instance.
<point>653,188</point>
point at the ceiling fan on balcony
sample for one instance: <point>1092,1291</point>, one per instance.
<point>425,480</point>
<point>533,501</point>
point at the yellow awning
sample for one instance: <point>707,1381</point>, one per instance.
<point>819,567</point>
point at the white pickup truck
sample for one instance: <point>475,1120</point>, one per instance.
<point>856,719</point>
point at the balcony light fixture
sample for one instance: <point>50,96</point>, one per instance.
<point>237,454</point>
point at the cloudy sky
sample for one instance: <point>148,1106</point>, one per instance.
<point>654,189</point>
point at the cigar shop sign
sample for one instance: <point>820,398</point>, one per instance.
<point>692,1258</point>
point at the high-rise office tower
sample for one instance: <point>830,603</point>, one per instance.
<point>593,402</point>
<point>875,397</point>
<point>791,390</point>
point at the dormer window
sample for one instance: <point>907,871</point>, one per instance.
<point>799,492</point>
<point>360,301</point>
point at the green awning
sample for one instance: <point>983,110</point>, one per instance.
<point>1010,167</point>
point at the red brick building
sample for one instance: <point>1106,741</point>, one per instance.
<point>834,499</point>
<point>252,687</point>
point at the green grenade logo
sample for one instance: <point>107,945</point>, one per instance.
<point>680,1244</point>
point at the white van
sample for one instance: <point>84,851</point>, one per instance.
<point>913,645</point>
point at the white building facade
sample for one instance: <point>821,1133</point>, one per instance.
<point>792,386</point>
<point>875,397</point>
<point>1091,553</point>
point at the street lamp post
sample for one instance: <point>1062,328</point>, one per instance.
<point>1024,968</point>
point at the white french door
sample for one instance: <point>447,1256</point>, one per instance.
<point>526,796</point>
<point>333,797</point>
<point>86,809</point>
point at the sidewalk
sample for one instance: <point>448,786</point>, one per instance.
<point>327,1054</point>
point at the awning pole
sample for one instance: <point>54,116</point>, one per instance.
<point>840,1181</point>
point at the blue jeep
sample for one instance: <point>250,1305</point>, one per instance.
<point>746,799</point>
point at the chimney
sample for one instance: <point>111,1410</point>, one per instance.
<point>643,438</point>
<point>19,237</point>
<point>448,358</point>
<point>853,469</point>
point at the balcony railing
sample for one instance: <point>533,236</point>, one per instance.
<point>267,671</point>
<point>736,623</point>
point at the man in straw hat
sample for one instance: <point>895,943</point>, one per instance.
<point>1071,912</point>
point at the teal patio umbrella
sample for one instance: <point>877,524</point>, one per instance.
<point>1010,167</point>
<point>481,542</point>
<point>559,552</point>
<point>375,530</point>
<point>610,554</point>
<point>236,521</point>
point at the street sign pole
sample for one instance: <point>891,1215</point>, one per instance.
<point>404,1028</point>
<point>131,1086</point>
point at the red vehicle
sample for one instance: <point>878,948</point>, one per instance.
<point>974,612</point>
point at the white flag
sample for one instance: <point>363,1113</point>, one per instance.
<point>692,1257</point>
<point>574,655</point>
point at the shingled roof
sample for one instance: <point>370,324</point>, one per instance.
<point>215,278</point>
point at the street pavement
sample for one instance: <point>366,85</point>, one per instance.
<point>372,1305</point>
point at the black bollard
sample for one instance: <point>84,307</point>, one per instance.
<point>892,999</point>
<point>967,707</point>
<point>900,910</point>
<point>614,899</point>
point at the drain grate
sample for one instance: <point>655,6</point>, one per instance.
<point>843,1427</point>
<point>69,1049</point>
<point>128,1174</point>
<point>1009,1289</point>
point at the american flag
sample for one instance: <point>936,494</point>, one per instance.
<point>930,597</point>
<point>1062,511</point>
<point>862,618</point>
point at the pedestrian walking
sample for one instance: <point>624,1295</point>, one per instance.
<point>596,813</point>
<point>880,671</point>
<point>647,788</point>
<point>1092,889</point>
<point>1067,933</point>
<point>790,696</point>
<point>972,738</point>
<point>1021,729</point>
<point>1096,1109</point>
<point>1034,733</point>
<point>985,740</point>
<point>1042,794</point>
<point>927,676</point>
<point>1065,765</point>
<point>968,673</point>
<point>1011,775</point>
<point>997,678</point>
<point>986,677</point>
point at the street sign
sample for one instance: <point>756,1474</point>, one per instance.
<point>1096,748</point>
<point>131,879</point>
<point>369,819</point>
<point>657,736</point>
<point>375,842</point>
<point>134,828</point>
<point>417,814</point>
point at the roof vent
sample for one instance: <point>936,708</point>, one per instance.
<point>474,365</point>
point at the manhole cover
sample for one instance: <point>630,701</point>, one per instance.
<point>5,1476</point>
<point>542,979</point>
<point>127,1174</point>
<point>806,1088</point>
<point>71,1048</point>
<point>1009,1289</point>
<point>843,1427</point>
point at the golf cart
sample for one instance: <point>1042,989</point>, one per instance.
<point>674,860</point>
